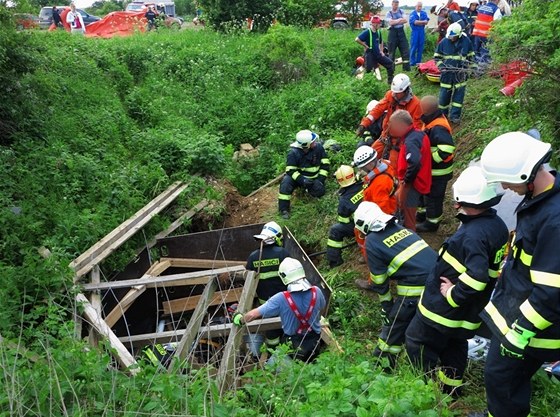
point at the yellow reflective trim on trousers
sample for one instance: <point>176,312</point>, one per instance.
<point>446,148</point>
<point>441,172</point>
<point>545,278</point>
<point>286,197</point>
<point>384,347</point>
<point>534,316</point>
<point>378,279</point>
<point>323,172</point>
<point>449,381</point>
<point>453,262</point>
<point>443,107</point>
<point>342,219</point>
<point>455,57</point>
<point>454,324</point>
<point>334,244</point>
<point>471,282</point>
<point>405,255</point>
<point>460,85</point>
<point>497,318</point>
<point>295,175</point>
<point>435,156</point>
<point>325,161</point>
<point>493,274</point>
<point>458,105</point>
<point>409,291</point>
<point>445,85</point>
<point>449,297</point>
<point>386,297</point>
<point>538,343</point>
<point>268,275</point>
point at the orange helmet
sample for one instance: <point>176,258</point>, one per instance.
<point>375,19</point>
<point>360,61</point>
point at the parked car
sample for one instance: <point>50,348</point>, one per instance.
<point>45,16</point>
<point>26,21</point>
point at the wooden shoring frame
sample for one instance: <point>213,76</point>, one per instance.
<point>181,305</point>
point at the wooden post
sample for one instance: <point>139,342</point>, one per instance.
<point>226,372</point>
<point>95,298</point>
<point>185,345</point>
<point>122,355</point>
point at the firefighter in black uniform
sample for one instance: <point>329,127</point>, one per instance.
<point>393,253</point>
<point>266,262</point>
<point>524,312</point>
<point>307,166</point>
<point>461,283</point>
<point>438,129</point>
<point>351,194</point>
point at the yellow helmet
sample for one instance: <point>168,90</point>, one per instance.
<point>345,176</point>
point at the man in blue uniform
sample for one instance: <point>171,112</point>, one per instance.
<point>393,253</point>
<point>524,312</point>
<point>461,283</point>
<point>307,166</point>
<point>370,40</point>
<point>396,20</point>
<point>418,20</point>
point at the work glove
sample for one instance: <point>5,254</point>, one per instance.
<point>308,184</point>
<point>360,130</point>
<point>386,307</point>
<point>318,189</point>
<point>516,340</point>
<point>238,319</point>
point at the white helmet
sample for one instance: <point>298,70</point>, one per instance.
<point>364,155</point>
<point>400,83</point>
<point>371,105</point>
<point>440,8</point>
<point>472,189</point>
<point>514,158</point>
<point>270,233</point>
<point>304,139</point>
<point>453,30</point>
<point>368,217</point>
<point>292,274</point>
<point>345,176</point>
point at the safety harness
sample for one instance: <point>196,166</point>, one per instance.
<point>304,325</point>
<point>381,169</point>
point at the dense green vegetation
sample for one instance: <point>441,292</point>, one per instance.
<point>90,130</point>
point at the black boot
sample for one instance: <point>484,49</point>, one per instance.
<point>427,227</point>
<point>334,264</point>
<point>420,216</point>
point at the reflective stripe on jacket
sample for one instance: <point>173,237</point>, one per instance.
<point>313,164</point>
<point>484,19</point>
<point>442,145</point>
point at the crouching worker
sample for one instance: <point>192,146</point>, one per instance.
<point>307,166</point>
<point>393,253</point>
<point>461,283</point>
<point>266,261</point>
<point>351,194</point>
<point>299,309</point>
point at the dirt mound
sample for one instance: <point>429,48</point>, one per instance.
<point>249,210</point>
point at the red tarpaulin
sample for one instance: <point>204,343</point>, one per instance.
<point>117,24</point>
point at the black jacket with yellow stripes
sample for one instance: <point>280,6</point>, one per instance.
<point>529,288</point>
<point>399,254</point>
<point>470,259</point>
<point>348,201</point>
<point>267,264</point>
<point>311,164</point>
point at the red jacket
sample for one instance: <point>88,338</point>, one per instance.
<point>415,161</point>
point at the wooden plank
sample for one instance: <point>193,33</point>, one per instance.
<point>328,337</point>
<point>95,298</point>
<point>180,221</point>
<point>268,184</point>
<point>158,268</point>
<point>122,355</point>
<point>103,248</point>
<point>124,304</point>
<point>188,278</point>
<point>208,332</point>
<point>190,303</point>
<point>184,348</point>
<point>226,372</point>
<point>202,263</point>
<point>33,357</point>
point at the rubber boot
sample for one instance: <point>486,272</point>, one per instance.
<point>420,216</point>
<point>427,227</point>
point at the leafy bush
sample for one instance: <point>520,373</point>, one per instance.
<point>306,13</point>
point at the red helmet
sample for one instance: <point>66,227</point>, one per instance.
<point>375,19</point>
<point>360,61</point>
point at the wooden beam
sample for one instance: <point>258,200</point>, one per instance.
<point>104,247</point>
<point>180,221</point>
<point>190,278</point>
<point>226,372</point>
<point>268,184</point>
<point>184,348</point>
<point>208,332</point>
<point>202,263</point>
<point>124,304</point>
<point>158,268</point>
<point>122,355</point>
<point>329,339</point>
<point>190,303</point>
<point>95,298</point>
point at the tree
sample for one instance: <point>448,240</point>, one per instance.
<point>224,14</point>
<point>306,13</point>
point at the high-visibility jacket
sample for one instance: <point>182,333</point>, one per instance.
<point>453,6</point>
<point>311,164</point>
<point>486,15</point>
<point>529,288</point>
<point>415,161</point>
<point>348,200</point>
<point>381,190</point>
<point>470,259</point>
<point>442,146</point>
<point>390,149</point>
<point>267,264</point>
<point>399,254</point>
<point>454,59</point>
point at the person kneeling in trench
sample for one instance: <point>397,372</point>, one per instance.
<point>299,309</point>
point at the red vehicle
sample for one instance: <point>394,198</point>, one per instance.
<point>358,11</point>
<point>25,21</point>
